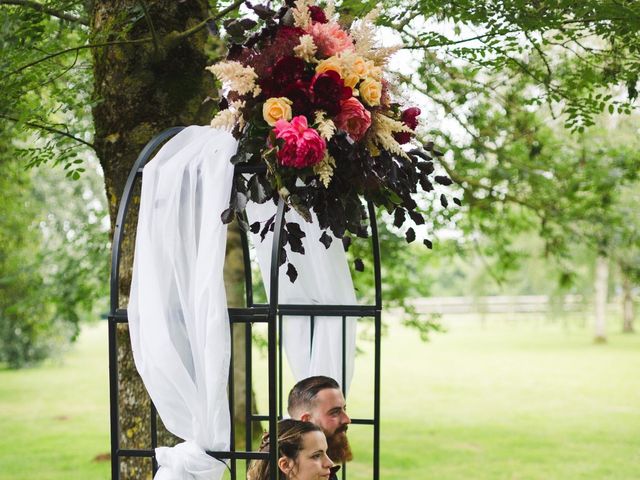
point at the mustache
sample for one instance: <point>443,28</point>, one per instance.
<point>342,429</point>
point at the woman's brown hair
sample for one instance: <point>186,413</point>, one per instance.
<point>290,441</point>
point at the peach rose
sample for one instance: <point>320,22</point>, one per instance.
<point>360,67</point>
<point>373,71</point>
<point>351,80</point>
<point>371,92</point>
<point>353,118</point>
<point>331,63</point>
<point>276,108</point>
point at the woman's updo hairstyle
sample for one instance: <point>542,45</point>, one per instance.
<point>290,442</point>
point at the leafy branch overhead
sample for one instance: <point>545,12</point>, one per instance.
<point>582,57</point>
<point>44,8</point>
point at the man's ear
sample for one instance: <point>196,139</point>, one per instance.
<point>285,464</point>
<point>305,417</point>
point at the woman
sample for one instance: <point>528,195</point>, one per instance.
<point>302,453</point>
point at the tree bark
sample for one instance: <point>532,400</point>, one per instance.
<point>628,309</point>
<point>140,90</point>
<point>600,299</point>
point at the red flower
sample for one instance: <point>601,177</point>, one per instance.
<point>303,146</point>
<point>328,90</point>
<point>317,14</point>
<point>410,118</point>
<point>287,71</point>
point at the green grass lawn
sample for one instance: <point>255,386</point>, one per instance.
<point>513,400</point>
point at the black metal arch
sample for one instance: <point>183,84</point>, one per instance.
<point>271,314</point>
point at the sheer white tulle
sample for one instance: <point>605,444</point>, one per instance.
<point>177,311</point>
<point>324,279</point>
<point>178,317</point>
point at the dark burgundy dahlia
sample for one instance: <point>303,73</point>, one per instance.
<point>286,72</point>
<point>328,90</point>
<point>300,97</point>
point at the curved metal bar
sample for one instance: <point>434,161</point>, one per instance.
<point>375,244</point>
<point>246,258</point>
<point>275,258</point>
<point>116,317</point>
<point>118,232</point>
<point>273,320</point>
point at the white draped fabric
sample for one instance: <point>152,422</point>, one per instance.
<point>177,311</point>
<point>178,317</point>
<point>323,279</point>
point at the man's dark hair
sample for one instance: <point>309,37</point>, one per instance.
<point>304,392</point>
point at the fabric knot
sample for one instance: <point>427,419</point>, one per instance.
<point>186,461</point>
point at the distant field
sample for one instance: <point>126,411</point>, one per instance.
<point>511,400</point>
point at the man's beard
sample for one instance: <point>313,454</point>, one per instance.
<point>339,450</point>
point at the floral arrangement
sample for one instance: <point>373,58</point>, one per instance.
<point>307,97</point>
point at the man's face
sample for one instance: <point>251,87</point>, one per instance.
<point>329,413</point>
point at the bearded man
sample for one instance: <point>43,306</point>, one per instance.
<point>319,400</point>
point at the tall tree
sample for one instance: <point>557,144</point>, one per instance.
<point>146,62</point>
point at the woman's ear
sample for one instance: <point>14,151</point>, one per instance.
<point>285,464</point>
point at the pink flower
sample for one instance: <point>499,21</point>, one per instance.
<point>303,146</point>
<point>330,38</point>
<point>353,118</point>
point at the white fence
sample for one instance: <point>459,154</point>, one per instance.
<point>501,304</point>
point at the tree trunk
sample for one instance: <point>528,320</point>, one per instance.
<point>600,299</point>
<point>628,310</point>
<point>140,90</point>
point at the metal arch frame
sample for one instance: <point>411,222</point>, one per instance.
<point>271,313</point>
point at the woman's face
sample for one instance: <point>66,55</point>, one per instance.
<point>312,462</point>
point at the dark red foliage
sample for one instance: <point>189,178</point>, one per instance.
<point>290,35</point>
<point>402,137</point>
<point>275,47</point>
